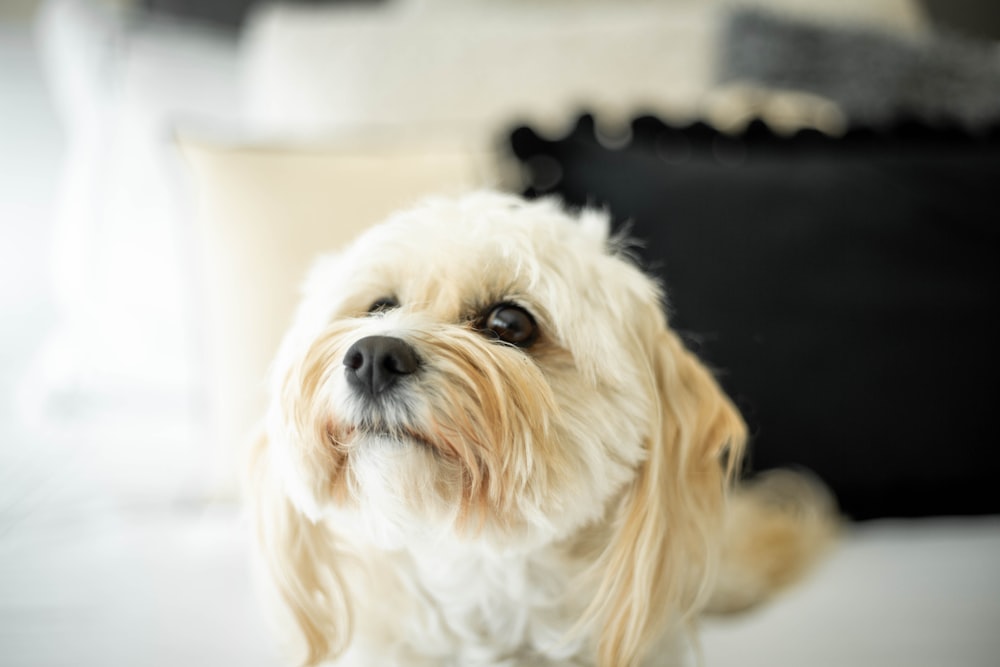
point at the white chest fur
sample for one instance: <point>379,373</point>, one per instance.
<point>449,603</point>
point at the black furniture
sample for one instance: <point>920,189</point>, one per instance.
<point>846,290</point>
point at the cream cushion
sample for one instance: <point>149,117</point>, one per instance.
<point>476,67</point>
<point>264,214</point>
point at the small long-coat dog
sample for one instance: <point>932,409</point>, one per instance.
<point>487,447</point>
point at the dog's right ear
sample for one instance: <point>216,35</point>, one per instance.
<point>661,555</point>
<point>300,558</point>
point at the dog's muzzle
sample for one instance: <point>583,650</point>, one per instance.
<point>375,364</point>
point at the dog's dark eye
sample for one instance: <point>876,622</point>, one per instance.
<point>383,304</point>
<point>511,324</point>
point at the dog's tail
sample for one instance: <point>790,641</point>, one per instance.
<point>778,526</point>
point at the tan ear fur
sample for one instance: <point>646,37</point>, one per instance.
<point>664,546</point>
<point>301,559</point>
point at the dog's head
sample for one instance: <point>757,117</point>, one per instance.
<point>497,370</point>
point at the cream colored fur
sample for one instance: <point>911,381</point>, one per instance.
<point>560,504</point>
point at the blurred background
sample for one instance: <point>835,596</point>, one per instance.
<point>813,180</point>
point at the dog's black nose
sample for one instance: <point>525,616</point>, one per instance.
<point>375,363</point>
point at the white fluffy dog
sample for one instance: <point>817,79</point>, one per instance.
<point>486,447</point>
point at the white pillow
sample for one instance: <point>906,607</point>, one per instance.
<point>472,70</point>
<point>265,213</point>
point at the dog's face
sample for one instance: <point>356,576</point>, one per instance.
<point>479,363</point>
<point>495,370</point>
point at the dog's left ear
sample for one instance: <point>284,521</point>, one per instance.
<point>659,565</point>
<point>301,561</point>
